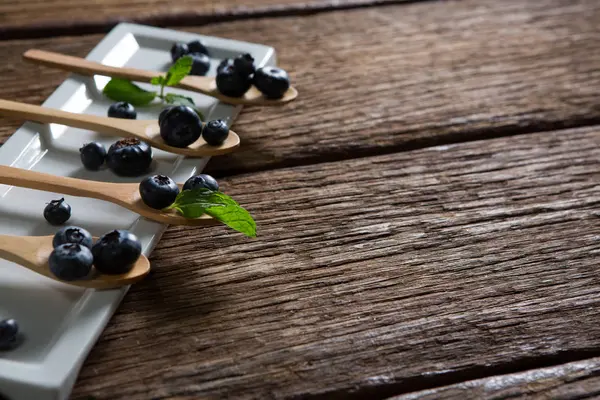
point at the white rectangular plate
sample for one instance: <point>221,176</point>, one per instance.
<point>61,323</point>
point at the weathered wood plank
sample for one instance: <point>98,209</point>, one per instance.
<point>371,277</point>
<point>577,380</point>
<point>395,77</point>
<point>30,18</point>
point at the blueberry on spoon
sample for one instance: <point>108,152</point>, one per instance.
<point>231,83</point>
<point>180,126</point>
<point>116,252</point>
<point>71,261</point>
<point>72,234</point>
<point>158,191</point>
<point>57,212</point>
<point>244,64</point>
<point>215,132</point>
<point>203,181</point>
<point>272,82</point>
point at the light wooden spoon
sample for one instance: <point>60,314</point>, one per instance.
<point>32,252</point>
<point>202,84</point>
<point>146,130</point>
<point>126,195</point>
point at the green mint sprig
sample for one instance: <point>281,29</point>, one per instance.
<point>197,202</point>
<point>118,89</point>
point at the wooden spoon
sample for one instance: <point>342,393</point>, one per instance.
<point>32,252</point>
<point>202,84</point>
<point>126,195</point>
<point>146,130</point>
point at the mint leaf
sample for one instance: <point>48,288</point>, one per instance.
<point>197,202</point>
<point>179,70</point>
<point>123,90</point>
<point>179,100</point>
<point>158,80</point>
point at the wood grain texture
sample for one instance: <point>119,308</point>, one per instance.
<point>371,277</point>
<point>394,77</point>
<point>31,18</point>
<point>577,380</point>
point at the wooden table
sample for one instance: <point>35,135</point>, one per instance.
<point>428,209</point>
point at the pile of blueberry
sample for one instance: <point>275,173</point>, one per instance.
<point>198,52</point>
<point>9,331</point>
<point>234,78</point>
<point>180,126</point>
<point>75,253</point>
<point>160,191</point>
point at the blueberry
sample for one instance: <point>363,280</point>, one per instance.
<point>196,47</point>
<point>71,261</point>
<point>122,109</point>
<point>158,191</point>
<point>9,330</point>
<point>116,252</point>
<point>57,212</point>
<point>230,83</point>
<point>201,181</point>
<point>244,64</point>
<point>162,114</point>
<point>200,64</point>
<point>179,50</point>
<point>215,132</point>
<point>228,62</point>
<point>92,155</point>
<point>272,82</point>
<point>180,126</point>
<point>72,234</point>
<point>129,157</point>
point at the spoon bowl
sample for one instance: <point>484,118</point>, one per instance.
<point>146,130</point>
<point>32,252</point>
<point>201,84</point>
<point>126,195</point>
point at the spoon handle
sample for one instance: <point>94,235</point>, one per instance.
<point>86,67</point>
<point>18,249</point>
<point>54,183</point>
<point>47,115</point>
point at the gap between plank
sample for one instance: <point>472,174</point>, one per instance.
<point>415,144</point>
<point>385,391</point>
<point>79,28</point>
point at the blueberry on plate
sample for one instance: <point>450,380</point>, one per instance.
<point>215,132</point>
<point>9,330</point>
<point>116,252</point>
<point>179,50</point>
<point>57,212</point>
<point>200,64</point>
<point>244,64</point>
<point>129,157</point>
<point>180,126</point>
<point>122,109</point>
<point>72,234</point>
<point>272,82</point>
<point>201,181</point>
<point>92,155</point>
<point>158,191</point>
<point>196,47</point>
<point>71,261</point>
<point>228,62</point>
<point>231,83</point>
